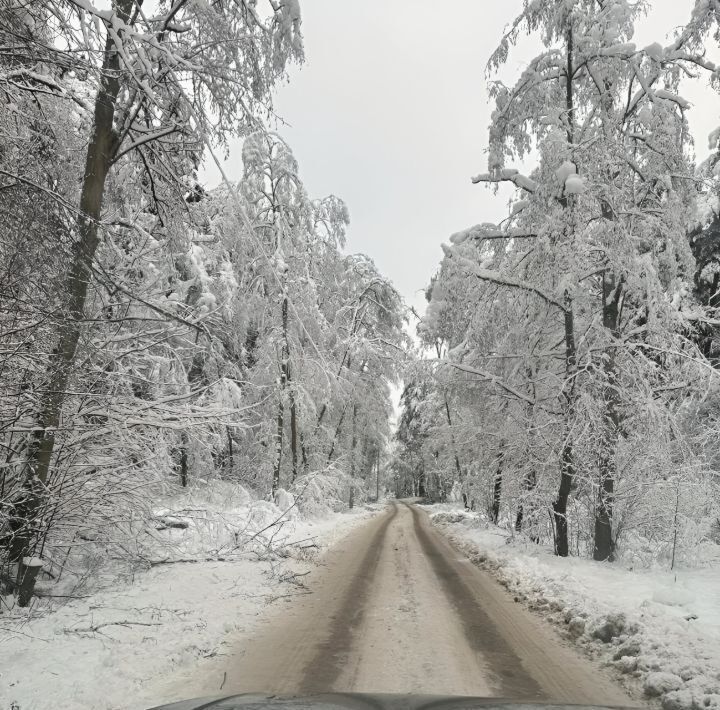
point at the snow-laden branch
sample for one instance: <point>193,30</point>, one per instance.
<point>507,175</point>
<point>487,231</point>
<point>52,194</point>
<point>670,96</point>
<point>148,138</point>
<point>696,59</point>
<point>33,79</point>
<point>104,275</point>
<point>501,279</point>
<point>494,379</point>
<point>646,84</point>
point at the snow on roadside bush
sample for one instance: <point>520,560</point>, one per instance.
<point>208,520</point>
<point>658,630</point>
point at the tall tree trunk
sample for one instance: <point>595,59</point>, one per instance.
<point>101,150</point>
<point>195,373</point>
<point>183,461</point>
<point>278,445</point>
<point>377,476</point>
<point>458,468</point>
<point>337,434</point>
<point>303,452</point>
<point>497,486</point>
<point>567,474</point>
<point>530,478</point>
<point>529,483</point>
<point>567,467</point>
<point>448,418</point>
<point>604,547</point>
<point>293,435</point>
<point>352,454</point>
<point>284,377</point>
<point>231,454</point>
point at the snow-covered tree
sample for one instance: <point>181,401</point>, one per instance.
<point>592,266</point>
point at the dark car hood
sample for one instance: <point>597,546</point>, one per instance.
<point>358,701</point>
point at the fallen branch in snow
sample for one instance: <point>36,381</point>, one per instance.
<point>292,578</point>
<point>272,598</point>
<point>190,560</point>
<point>296,543</point>
<point>14,631</point>
<point>97,627</point>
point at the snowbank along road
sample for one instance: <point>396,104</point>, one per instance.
<point>395,608</point>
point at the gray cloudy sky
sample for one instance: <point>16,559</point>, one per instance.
<point>390,113</point>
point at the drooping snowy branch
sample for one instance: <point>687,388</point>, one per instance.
<point>488,231</point>
<point>507,175</point>
<point>501,279</point>
<point>489,377</point>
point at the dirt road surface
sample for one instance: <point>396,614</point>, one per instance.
<point>395,608</point>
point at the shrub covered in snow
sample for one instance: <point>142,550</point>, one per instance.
<point>319,494</point>
<point>458,516</point>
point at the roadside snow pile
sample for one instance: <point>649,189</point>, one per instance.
<point>446,514</point>
<point>659,629</point>
<point>208,565</point>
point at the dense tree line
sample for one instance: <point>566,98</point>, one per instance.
<point>154,332</point>
<point>568,388</point>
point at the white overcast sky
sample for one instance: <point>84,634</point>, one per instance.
<point>390,113</point>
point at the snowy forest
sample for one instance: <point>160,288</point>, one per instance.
<point>158,334</point>
<point>567,386</point>
<point>155,333</point>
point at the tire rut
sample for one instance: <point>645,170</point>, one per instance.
<point>328,662</point>
<point>510,677</point>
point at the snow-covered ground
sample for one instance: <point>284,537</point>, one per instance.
<point>119,647</point>
<point>660,630</point>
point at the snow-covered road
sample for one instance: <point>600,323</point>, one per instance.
<point>396,609</point>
